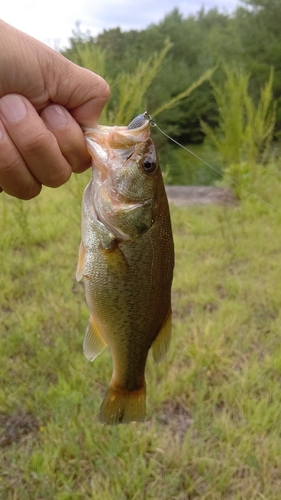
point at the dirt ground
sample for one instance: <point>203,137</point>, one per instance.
<point>200,195</point>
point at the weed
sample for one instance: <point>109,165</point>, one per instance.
<point>213,425</point>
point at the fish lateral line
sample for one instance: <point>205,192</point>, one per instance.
<point>252,195</point>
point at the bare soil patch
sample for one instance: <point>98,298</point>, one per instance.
<point>200,195</point>
<point>176,416</point>
<point>17,425</point>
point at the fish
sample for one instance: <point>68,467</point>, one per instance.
<point>126,258</point>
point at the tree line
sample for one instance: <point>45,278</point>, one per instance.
<point>248,39</point>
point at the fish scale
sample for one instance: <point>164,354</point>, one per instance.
<point>126,258</point>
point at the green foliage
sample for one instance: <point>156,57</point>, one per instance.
<point>86,53</point>
<point>129,89</point>
<point>250,38</point>
<point>181,167</point>
<point>229,137</point>
<point>132,87</point>
<point>213,427</point>
<point>245,128</point>
<point>259,31</point>
<point>260,122</point>
<point>130,57</point>
<point>182,95</point>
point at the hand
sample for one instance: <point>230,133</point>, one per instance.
<point>44,98</point>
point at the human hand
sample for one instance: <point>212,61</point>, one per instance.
<point>44,98</point>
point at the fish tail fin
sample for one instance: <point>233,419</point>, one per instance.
<point>123,407</point>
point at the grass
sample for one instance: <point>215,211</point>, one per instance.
<point>213,428</point>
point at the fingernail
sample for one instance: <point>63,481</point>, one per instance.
<point>55,116</point>
<point>12,108</point>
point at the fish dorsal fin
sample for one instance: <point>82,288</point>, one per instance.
<point>80,264</point>
<point>94,343</point>
<point>161,344</point>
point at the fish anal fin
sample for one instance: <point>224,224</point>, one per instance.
<point>80,265</point>
<point>161,344</point>
<point>123,407</point>
<point>94,343</point>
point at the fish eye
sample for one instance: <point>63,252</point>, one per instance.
<point>148,166</point>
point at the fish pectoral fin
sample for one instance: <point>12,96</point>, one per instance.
<point>80,265</point>
<point>94,343</point>
<point>115,260</point>
<point>123,407</point>
<point>161,344</point>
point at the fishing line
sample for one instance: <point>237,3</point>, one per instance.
<point>154,124</point>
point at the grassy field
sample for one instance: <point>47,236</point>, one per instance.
<point>213,429</point>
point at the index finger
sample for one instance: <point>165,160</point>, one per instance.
<point>82,92</point>
<point>88,113</point>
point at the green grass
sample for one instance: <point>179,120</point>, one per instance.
<point>213,428</point>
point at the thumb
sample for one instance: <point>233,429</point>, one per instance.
<point>82,92</point>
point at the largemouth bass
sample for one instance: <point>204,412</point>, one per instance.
<point>126,258</point>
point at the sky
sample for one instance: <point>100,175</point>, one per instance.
<point>52,21</point>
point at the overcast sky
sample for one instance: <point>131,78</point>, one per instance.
<point>52,21</point>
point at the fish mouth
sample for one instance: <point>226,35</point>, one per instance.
<point>138,130</point>
<point>110,147</point>
<point>106,144</point>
